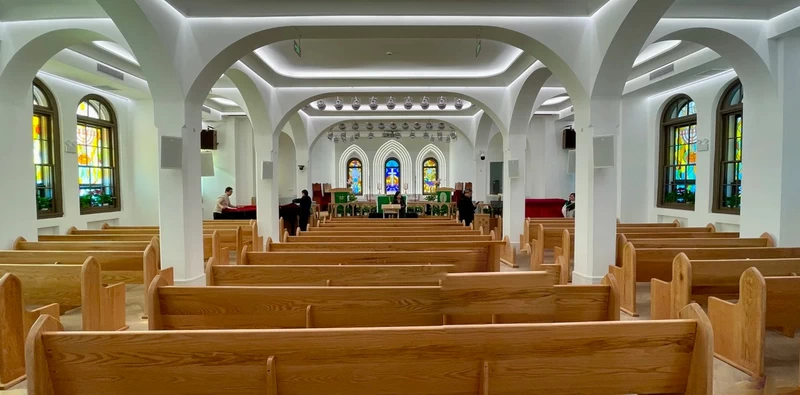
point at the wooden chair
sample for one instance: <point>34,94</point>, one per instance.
<point>642,357</point>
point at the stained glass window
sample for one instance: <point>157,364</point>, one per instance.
<point>430,174</point>
<point>354,177</point>
<point>97,156</point>
<point>679,154</point>
<point>46,151</point>
<point>392,169</point>
<point>728,194</point>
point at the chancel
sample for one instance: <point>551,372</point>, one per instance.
<point>399,197</point>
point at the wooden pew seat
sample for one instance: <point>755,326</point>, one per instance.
<point>612,357</point>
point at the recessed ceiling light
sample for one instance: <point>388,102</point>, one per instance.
<point>224,101</point>
<point>555,100</point>
<point>116,50</point>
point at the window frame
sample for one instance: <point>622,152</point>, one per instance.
<point>724,112</point>
<point>114,135</point>
<point>347,174</point>
<point>399,177</point>
<point>667,124</point>
<point>423,174</point>
<point>51,113</point>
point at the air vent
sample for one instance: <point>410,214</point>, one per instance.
<point>662,71</point>
<point>106,88</point>
<point>206,109</point>
<point>111,72</point>
<point>711,73</point>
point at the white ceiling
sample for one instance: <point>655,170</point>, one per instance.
<point>256,8</point>
<point>368,58</point>
<point>23,10</point>
<point>738,9</point>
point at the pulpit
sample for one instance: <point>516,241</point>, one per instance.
<point>391,209</point>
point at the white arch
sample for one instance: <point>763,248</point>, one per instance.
<point>354,151</point>
<point>387,150</point>
<point>428,151</point>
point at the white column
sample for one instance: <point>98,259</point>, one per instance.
<point>303,176</point>
<point>514,188</point>
<point>537,175</point>
<point>18,214</point>
<point>479,187</point>
<point>180,207</point>
<point>596,196</point>
<point>267,187</point>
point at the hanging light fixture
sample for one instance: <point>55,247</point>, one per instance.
<point>393,125</point>
<point>397,136</point>
<point>453,134</point>
<point>338,105</point>
<point>417,125</point>
<point>330,134</point>
<point>426,102</point>
<point>342,126</point>
<point>381,126</point>
<point>405,125</point>
<point>447,140</point>
<point>373,103</point>
<point>335,139</point>
<point>412,135</point>
<point>344,135</point>
<point>458,104</point>
<point>321,104</point>
<point>354,126</point>
<point>442,103</point>
<point>408,103</point>
<point>357,135</point>
<point>371,135</point>
<point>441,125</point>
<point>429,126</point>
<point>390,103</point>
<point>356,104</point>
<point>426,135</point>
<point>369,126</point>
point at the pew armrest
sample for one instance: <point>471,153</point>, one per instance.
<point>660,297</point>
<point>30,317</point>
<point>113,317</point>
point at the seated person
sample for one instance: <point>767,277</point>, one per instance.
<point>398,199</point>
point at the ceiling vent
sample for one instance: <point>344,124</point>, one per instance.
<point>111,72</point>
<point>106,88</point>
<point>711,72</point>
<point>662,71</point>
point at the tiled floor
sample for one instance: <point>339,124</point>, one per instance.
<point>783,354</point>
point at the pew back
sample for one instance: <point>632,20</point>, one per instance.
<point>360,232</point>
<point>646,357</point>
<point>388,238</point>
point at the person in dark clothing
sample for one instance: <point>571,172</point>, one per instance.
<point>398,199</point>
<point>305,209</point>
<point>466,208</point>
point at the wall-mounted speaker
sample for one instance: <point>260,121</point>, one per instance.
<point>604,152</point>
<point>206,164</point>
<point>266,170</point>
<point>513,168</point>
<point>568,138</point>
<point>571,157</point>
<point>171,152</point>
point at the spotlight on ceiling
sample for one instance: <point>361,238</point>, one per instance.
<point>459,104</point>
<point>390,103</point>
<point>426,135</point>
<point>356,104</point>
<point>426,102</point>
<point>357,135</point>
<point>453,135</point>
<point>344,135</point>
<point>393,125</point>
<point>412,135</point>
<point>417,125</point>
<point>429,126</point>
<point>371,135</point>
<point>442,104</point>
<point>397,136</point>
<point>321,104</point>
<point>405,125</point>
<point>369,126</point>
<point>373,103</point>
<point>338,105</point>
<point>381,126</point>
<point>408,103</point>
<point>342,126</point>
<point>354,126</point>
<point>335,139</point>
<point>441,125</point>
<point>330,135</point>
<point>448,140</point>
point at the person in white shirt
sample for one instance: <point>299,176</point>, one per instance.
<point>223,202</point>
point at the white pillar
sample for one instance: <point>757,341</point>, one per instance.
<point>538,153</point>
<point>19,214</point>
<point>303,176</point>
<point>267,187</point>
<point>180,207</point>
<point>596,196</point>
<point>514,188</point>
<point>479,188</point>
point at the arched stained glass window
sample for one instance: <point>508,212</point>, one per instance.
<point>430,174</point>
<point>728,166</point>
<point>98,177</point>
<point>46,153</point>
<point>354,176</point>
<point>392,169</point>
<point>678,154</point>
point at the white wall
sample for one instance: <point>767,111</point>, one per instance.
<point>144,148</point>
<point>287,168</point>
<point>558,182</point>
<point>224,169</point>
<point>641,120</point>
<point>68,95</point>
<point>322,162</point>
<point>462,162</point>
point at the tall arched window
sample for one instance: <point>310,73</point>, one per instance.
<point>678,155</point>
<point>354,176</point>
<point>430,173</point>
<point>392,169</point>
<point>98,173</point>
<point>728,164</point>
<point>46,153</point>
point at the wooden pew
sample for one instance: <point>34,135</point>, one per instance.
<point>644,264</point>
<point>212,248</point>
<point>24,245</point>
<point>466,298</point>
<point>71,286</point>
<point>645,357</point>
<point>464,261</point>
<point>233,238</point>
<point>399,232</point>
<point>209,242</point>
<point>95,237</point>
<point>325,275</point>
<point>383,238</point>
<point>530,226</point>
<point>15,323</point>
<point>740,328</point>
<point>391,225</point>
<point>696,279</point>
<point>624,238</point>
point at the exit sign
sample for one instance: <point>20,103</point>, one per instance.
<point>297,49</point>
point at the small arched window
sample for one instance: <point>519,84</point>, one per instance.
<point>430,174</point>
<point>678,154</point>
<point>98,171</point>
<point>392,169</point>
<point>46,153</point>
<point>354,176</point>
<point>728,164</point>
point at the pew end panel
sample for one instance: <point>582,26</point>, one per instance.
<point>667,299</point>
<point>770,239</point>
<point>285,238</point>
<point>209,272</point>
<point>155,321</point>
<point>36,364</point>
<point>740,328</point>
<point>12,335</point>
<point>508,255</point>
<point>626,276</point>
<point>103,306</point>
<point>564,270</point>
<point>243,260</point>
<point>701,368</point>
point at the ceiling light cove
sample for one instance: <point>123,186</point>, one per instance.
<point>654,50</point>
<point>116,50</point>
<point>555,100</point>
<point>412,58</point>
<point>224,101</point>
<point>387,103</point>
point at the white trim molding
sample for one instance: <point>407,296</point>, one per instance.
<point>430,151</point>
<point>354,151</point>
<point>393,148</point>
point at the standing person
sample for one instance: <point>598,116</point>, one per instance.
<point>305,210</point>
<point>569,207</point>
<point>466,208</point>
<point>398,199</point>
<point>223,202</point>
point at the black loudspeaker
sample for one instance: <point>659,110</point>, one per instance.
<point>208,139</point>
<point>568,138</point>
